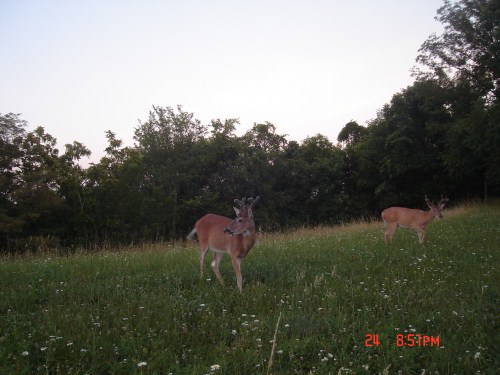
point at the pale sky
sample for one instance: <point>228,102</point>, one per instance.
<point>81,67</point>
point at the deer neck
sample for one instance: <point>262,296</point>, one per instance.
<point>428,217</point>
<point>249,237</point>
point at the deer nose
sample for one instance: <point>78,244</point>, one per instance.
<point>227,230</point>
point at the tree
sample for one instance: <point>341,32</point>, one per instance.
<point>12,133</point>
<point>222,162</point>
<point>464,60</point>
<point>351,134</point>
<point>469,48</point>
<point>323,180</point>
<point>168,142</point>
<point>38,186</point>
<point>412,163</point>
<point>115,200</point>
<point>71,179</point>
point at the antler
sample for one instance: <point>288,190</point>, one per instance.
<point>443,200</point>
<point>244,204</point>
<point>241,202</point>
<point>441,203</point>
<point>253,202</point>
<point>429,203</point>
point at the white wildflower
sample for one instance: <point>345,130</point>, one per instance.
<point>214,368</point>
<point>141,364</point>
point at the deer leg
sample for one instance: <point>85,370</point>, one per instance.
<point>421,236</point>
<point>215,266</point>
<point>237,270</point>
<point>203,252</point>
<point>389,233</point>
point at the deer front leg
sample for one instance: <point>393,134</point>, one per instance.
<point>215,266</point>
<point>421,236</point>
<point>389,233</point>
<point>237,270</point>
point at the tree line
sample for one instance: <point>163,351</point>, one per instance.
<point>439,135</point>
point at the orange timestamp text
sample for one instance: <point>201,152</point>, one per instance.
<point>405,340</point>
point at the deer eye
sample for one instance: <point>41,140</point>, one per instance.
<point>240,220</point>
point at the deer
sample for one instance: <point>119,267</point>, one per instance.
<point>225,236</point>
<point>395,217</point>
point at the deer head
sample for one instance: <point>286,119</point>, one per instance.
<point>437,209</point>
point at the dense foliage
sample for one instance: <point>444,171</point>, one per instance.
<point>439,135</point>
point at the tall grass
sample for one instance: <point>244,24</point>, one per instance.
<point>146,310</point>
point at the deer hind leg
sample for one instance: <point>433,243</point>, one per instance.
<point>215,266</point>
<point>237,270</point>
<point>203,253</point>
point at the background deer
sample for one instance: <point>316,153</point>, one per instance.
<point>225,236</point>
<point>395,217</point>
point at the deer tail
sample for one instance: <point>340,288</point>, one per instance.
<point>191,234</point>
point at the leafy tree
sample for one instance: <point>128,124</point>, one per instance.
<point>469,47</point>
<point>411,162</point>
<point>71,187</point>
<point>37,184</point>
<point>399,157</point>
<point>323,180</point>
<point>115,199</point>
<point>12,132</point>
<point>261,165</point>
<point>222,161</point>
<point>351,134</point>
<point>464,59</point>
<point>168,142</point>
<point>263,137</point>
<point>36,194</point>
<point>362,175</point>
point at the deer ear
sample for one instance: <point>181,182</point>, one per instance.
<point>237,211</point>
<point>249,212</point>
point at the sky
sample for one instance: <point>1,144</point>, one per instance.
<point>79,68</point>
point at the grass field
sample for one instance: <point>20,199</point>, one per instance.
<point>336,300</point>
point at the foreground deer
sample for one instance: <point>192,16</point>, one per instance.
<point>225,236</point>
<point>396,217</point>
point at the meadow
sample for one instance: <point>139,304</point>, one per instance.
<point>315,301</point>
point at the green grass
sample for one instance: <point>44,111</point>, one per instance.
<point>147,311</point>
